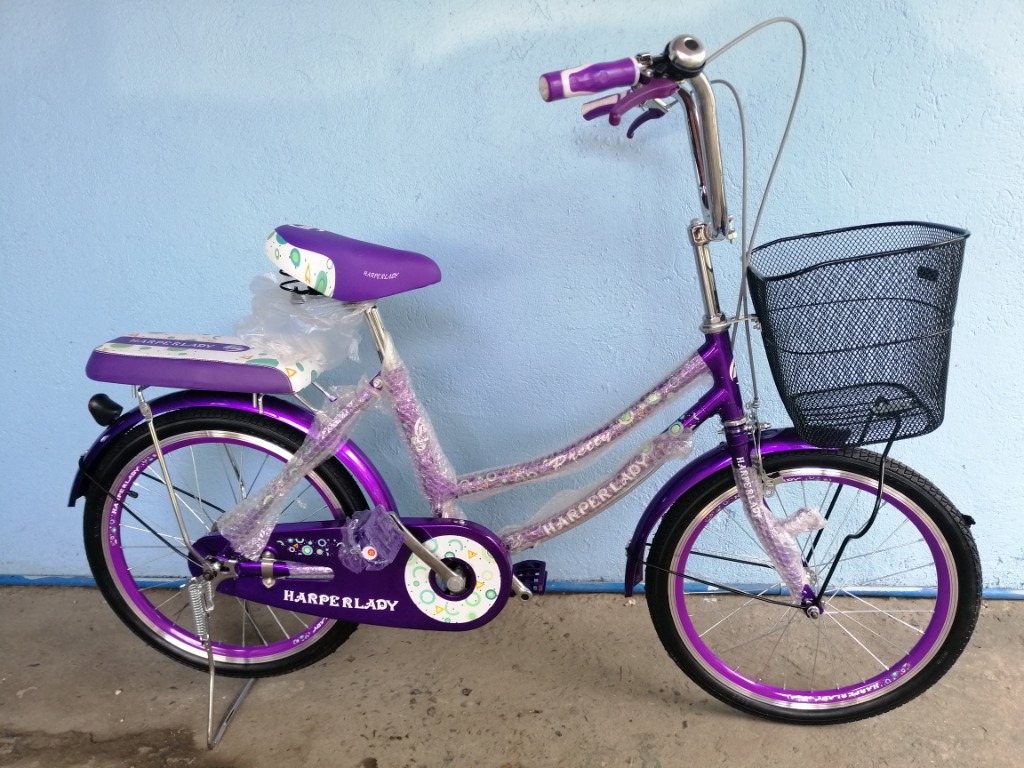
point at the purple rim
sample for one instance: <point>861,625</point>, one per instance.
<point>849,695</point>
<point>174,633</point>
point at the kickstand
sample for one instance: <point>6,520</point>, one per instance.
<point>200,592</point>
<point>213,739</point>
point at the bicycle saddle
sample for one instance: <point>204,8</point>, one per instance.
<point>347,269</point>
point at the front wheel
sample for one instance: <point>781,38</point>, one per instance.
<point>898,610</point>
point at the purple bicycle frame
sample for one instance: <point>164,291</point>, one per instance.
<point>722,399</point>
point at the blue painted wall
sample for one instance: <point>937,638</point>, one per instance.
<point>147,149</point>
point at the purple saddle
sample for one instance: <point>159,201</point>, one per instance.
<point>347,269</point>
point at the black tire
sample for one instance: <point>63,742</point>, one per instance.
<point>899,610</point>
<point>135,551</point>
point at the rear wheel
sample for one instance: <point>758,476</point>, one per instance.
<point>897,612</point>
<point>216,457</point>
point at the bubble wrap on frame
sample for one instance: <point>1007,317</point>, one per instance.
<point>433,470</point>
<point>777,535</point>
<point>575,457</point>
<point>568,509</point>
<point>249,524</point>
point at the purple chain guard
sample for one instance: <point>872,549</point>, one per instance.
<point>403,594</point>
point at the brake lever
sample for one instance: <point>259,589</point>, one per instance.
<point>658,88</point>
<point>651,114</point>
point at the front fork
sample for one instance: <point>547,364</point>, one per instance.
<point>776,535</point>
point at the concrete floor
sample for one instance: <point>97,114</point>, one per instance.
<point>560,681</point>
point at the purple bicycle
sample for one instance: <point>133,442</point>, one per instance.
<point>789,572</point>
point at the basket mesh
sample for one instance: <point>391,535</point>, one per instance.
<point>856,327</point>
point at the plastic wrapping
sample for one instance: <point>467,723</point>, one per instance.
<point>317,328</point>
<point>249,524</point>
<point>433,470</point>
<point>371,541</point>
<point>777,535</point>
<point>570,508</point>
<point>573,457</point>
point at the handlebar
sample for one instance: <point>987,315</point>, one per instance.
<point>677,72</point>
<point>588,79</point>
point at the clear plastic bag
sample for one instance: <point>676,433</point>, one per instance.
<point>322,330</point>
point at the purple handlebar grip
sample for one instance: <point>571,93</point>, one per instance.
<point>592,78</point>
<point>659,88</point>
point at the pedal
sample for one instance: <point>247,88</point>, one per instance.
<point>533,574</point>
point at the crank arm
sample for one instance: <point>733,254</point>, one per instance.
<point>449,578</point>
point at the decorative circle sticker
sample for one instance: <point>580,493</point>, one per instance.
<point>441,607</point>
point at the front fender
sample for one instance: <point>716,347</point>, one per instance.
<point>704,466</point>
<point>349,454</point>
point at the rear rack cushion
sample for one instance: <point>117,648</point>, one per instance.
<point>196,361</point>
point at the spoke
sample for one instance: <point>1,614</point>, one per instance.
<point>259,471</point>
<point>164,536</point>
<point>177,614</point>
<point>868,629</point>
<point>834,654</point>
<point>160,536</point>
<point>247,614</point>
<point>877,610</point>
<point>887,613</point>
<point>812,542</point>
<point>817,646</point>
<point>855,639</point>
<point>168,583</point>
<point>775,647</point>
<point>273,615</point>
<point>307,488</point>
<point>731,515</point>
<point>873,552</point>
<point>199,488</point>
<point>144,563</point>
<point>767,633</point>
<point>836,527</point>
<point>242,490</point>
<point>745,560</point>
<point>886,576</point>
<point>734,611</point>
<point>182,492</point>
<point>179,495</point>
<point>165,602</point>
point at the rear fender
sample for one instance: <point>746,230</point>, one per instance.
<point>707,464</point>
<point>349,454</point>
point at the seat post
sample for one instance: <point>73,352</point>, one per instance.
<point>381,338</point>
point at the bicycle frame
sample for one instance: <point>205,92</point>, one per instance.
<point>722,399</point>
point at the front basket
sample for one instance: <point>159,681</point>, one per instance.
<point>856,325</point>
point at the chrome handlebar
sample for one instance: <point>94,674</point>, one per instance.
<point>702,121</point>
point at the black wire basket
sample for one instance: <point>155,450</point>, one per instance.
<point>856,325</point>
